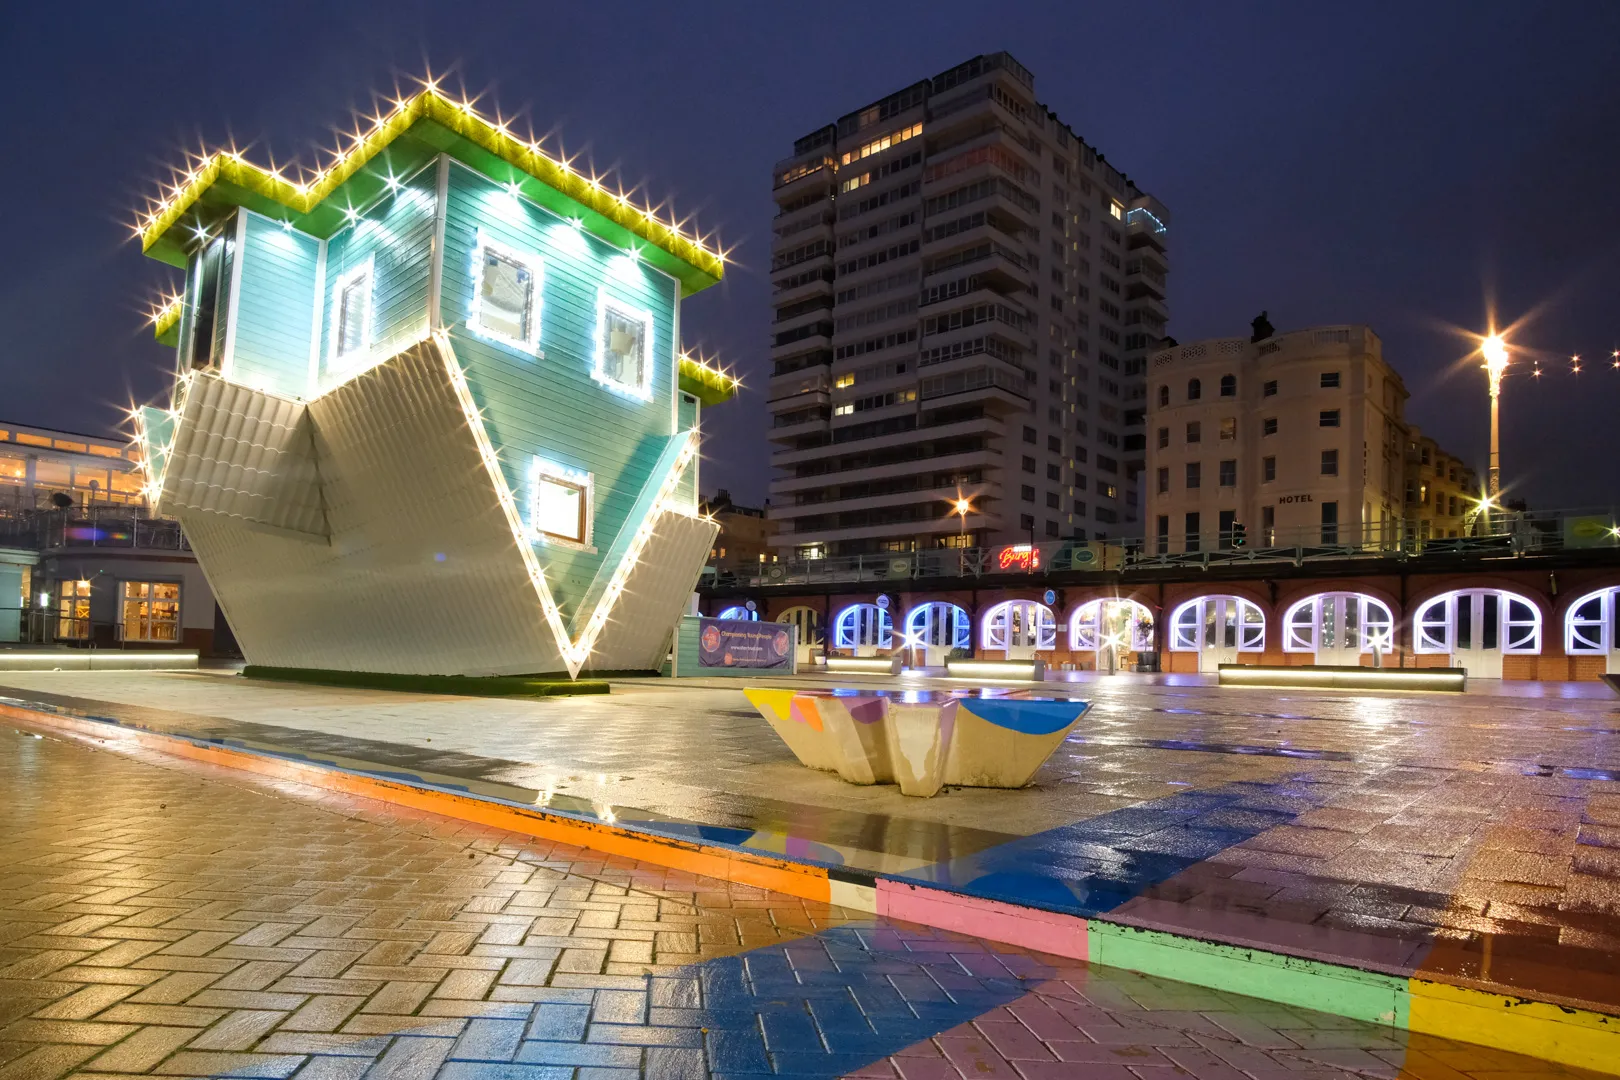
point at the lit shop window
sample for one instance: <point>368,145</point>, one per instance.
<point>151,611</point>
<point>863,626</point>
<point>559,504</point>
<point>1478,619</point>
<point>623,338</point>
<point>1020,624</point>
<point>73,609</point>
<point>351,315</point>
<point>1101,623</point>
<point>1338,621</point>
<point>881,144</point>
<point>1218,622</point>
<point>506,295</point>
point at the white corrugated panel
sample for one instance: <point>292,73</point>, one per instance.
<point>655,595</point>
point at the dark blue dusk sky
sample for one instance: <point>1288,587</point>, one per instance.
<point>1395,164</point>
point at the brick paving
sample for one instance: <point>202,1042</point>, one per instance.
<point>169,919</point>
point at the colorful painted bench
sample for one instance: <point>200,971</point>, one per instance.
<point>920,739</point>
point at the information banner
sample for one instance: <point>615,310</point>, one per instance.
<point>740,643</point>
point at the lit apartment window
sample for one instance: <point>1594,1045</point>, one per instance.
<point>1228,473</point>
<point>351,316</point>
<point>1108,491</point>
<point>1330,380</point>
<point>1268,426</point>
<point>1268,469</point>
<point>1228,386</point>
<point>1164,480</point>
<point>1269,389</point>
<point>1328,418</point>
<point>1164,438</point>
<point>73,610</point>
<point>623,341</point>
<point>1194,474</point>
<point>1229,427</point>
<point>1330,463</point>
<point>1195,431</point>
<point>151,611</point>
<point>845,409</point>
<point>560,504</point>
<point>846,379</point>
<point>506,295</point>
<point>1115,210</point>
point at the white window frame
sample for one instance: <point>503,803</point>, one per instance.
<point>483,246</point>
<point>146,621</point>
<point>994,625</point>
<point>1301,634</point>
<point>631,313</point>
<point>336,359</point>
<point>961,624</point>
<point>739,613</point>
<point>807,620</point>
<point>844,626</point>
<point>1083,625</point>
<point>1589,636</point>
<point>1187,624</point>
<point>541,469</point>
<point>1434,626</point>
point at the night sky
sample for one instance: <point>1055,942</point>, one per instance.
<point>1408,166</point>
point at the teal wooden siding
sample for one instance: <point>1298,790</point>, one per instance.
<point>275,315</point>
<point>550,406</point>
<point>396,234</point>
<point>686,418</point>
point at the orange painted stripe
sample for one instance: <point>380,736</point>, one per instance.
<point>744,868</point>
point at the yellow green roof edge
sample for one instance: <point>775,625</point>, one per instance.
<point>709,385</point>
<point>166,323</point>
<point>610,215</point>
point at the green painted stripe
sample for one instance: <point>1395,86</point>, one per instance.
<point>1311,984</point>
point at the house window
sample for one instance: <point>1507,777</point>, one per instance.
<point>1052,500</point>
<point>623,340</point>
<point>1195,390</point>
<point>1228,473</point>
<point>1192,532</point>
<point>1330,523</point>
<point>73,609</point>
<point>1330,380</point>
<point>1328,418</point>
<point>352,315</point>
<point>1268,469</point>
<point>506,295</point>
<point>1027,493</point>
<point>1028,464</point>
<point>1164,395</point>
<point>1162,531</point>
<point>1228,427</point>
<point>1194,474</point>
<point>1268,525</point>
<point>1164,438</point>
<point>1164,480</point>
<point>1268,426</point>
<point>151,611</point>
<point>1195,431</point>
<point>1228,386</point>
<point>1269,388</point>
<point>560,504</point>
<point>1330,463</point>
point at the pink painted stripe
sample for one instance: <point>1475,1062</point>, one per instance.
<point>1042,931</point>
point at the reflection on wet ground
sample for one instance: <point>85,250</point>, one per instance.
<point>1476,834</point>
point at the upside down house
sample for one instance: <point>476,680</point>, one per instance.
<point>430,413</point>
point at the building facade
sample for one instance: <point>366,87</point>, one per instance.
<point>37,463</point>
<point>965,294</point>
<point>1442,491</point>
<point>744,542</point>
<point>431,415</point>
<point>1293,439</point>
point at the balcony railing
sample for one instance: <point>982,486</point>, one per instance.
<point>95,527</point>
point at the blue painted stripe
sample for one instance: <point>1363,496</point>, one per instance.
<point>1027,717</point>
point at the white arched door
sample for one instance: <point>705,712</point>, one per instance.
<point>1110,628</point>
<point>937,628</point>
<point>1020,629</point>
<point>864,629</point>
<point>1477,627</point>
<point>1592,628</point>
<point>1217,628</point>
<point>807,621</point>
<point>1339,628</point>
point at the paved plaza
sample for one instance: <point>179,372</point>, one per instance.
<point>164,918</point>
<point>1473,837</point>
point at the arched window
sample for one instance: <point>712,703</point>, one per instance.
<point>1218,621</point>
<point>1195,389</point>
<point>940,624</point>
<point>738,611</point>
<point>806,620</point>
<point>863,625</point>
<point>1117,622</point>
<point>1164,395</point>
<point>1478,618</point>
<point>1228,386</point>
<point>1593,623</point>
<point>1020,624</point>
<point>1338,620</point>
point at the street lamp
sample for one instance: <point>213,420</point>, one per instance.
<point>962,508</point>
<point>1495,351</point>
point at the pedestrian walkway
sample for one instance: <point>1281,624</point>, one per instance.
<point>162,918</point>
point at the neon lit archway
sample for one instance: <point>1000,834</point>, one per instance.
<point>1020,624</point>
<point>737,611</point>
<point>1593,623</point>
<point>1126,623</point>
<point>1507,622</point>
<point>1218,621</point>
<point>939,624</point>
<point>1338,620</point>
<point>863,626</point>
<point>807,620</point>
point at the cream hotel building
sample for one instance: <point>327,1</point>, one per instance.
<point>1292,439</point>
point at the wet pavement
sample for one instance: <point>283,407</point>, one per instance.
<point>1473,836</point>
<point>164,918</point>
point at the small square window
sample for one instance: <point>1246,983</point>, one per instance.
<point>623,341</point>
<point>1269,389</point>
<point>1330,380</point>
<point>1029,464</point>
<point>351,316</point>
<point>1054,472</point>
<point>1164,438</point>
<point>1268,469</point>
<point>1164,480</point>
<point>1027,493</point>
<point>506,296</point>
<point>1228,473</point>
<point>559,504</point>
<point>1194,474</point>
<point>1268,426</point>
<point>1330,463</point>
<point>1195,431</point>
<point>1328,418</point>
<point>1052,500</point>
<point>1026,521</point>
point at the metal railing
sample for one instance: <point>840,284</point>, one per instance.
<point>129,527</point>
<point>1504,535</point>
<point>51,627</point>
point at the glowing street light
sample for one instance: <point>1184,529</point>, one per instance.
<point>1495,351</point>
<point>962,507</point>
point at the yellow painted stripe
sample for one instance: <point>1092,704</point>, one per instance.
<point>1569,1036</point>
<point>777,701</point>
<point>744,868</point>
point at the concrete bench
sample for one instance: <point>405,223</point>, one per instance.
<point>920,739</point>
